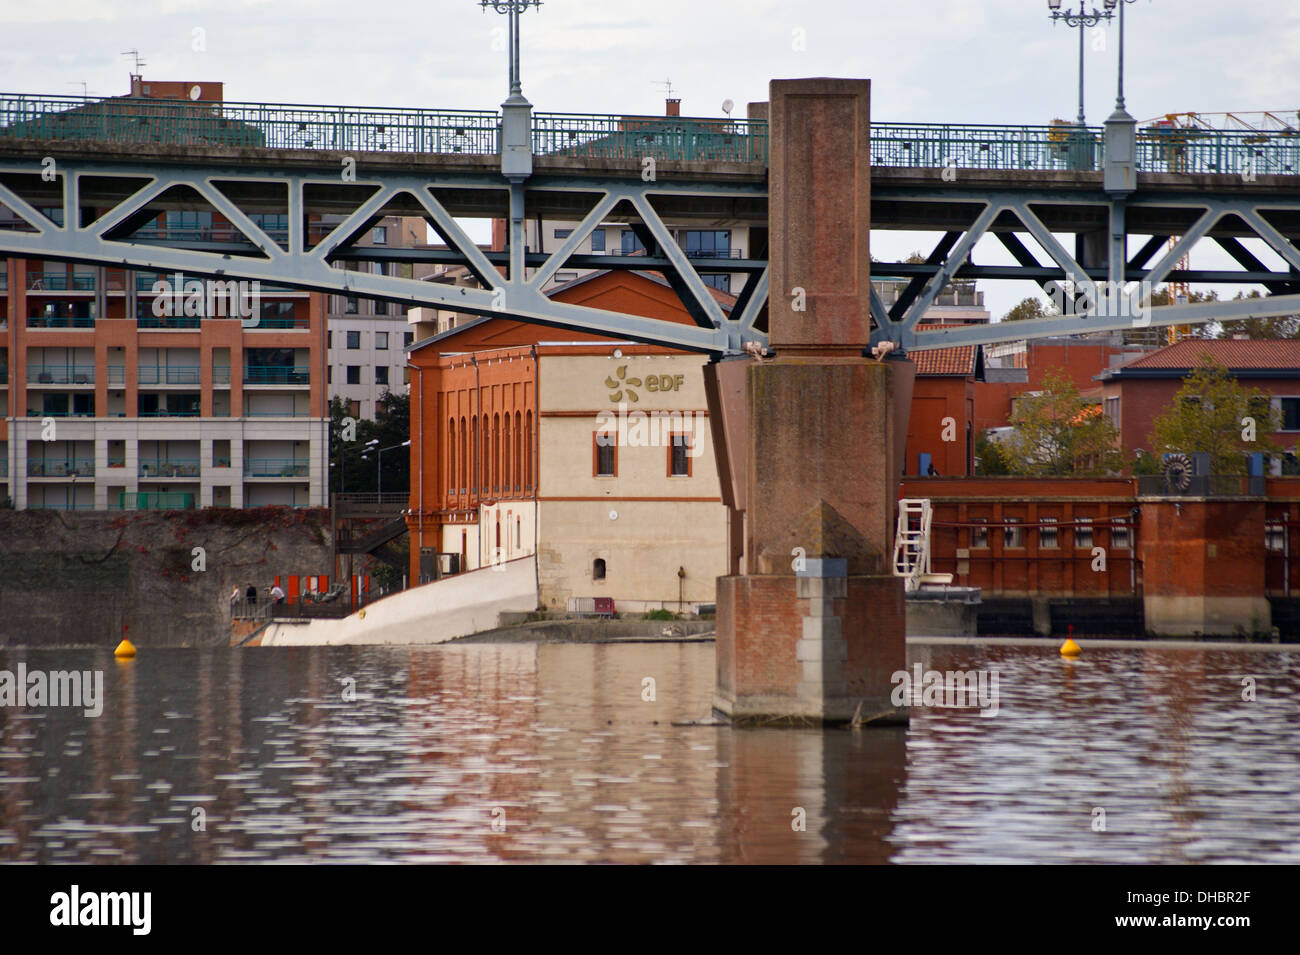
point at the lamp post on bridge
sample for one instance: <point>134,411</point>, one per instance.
<point>1121,128</point>
<point>379,466</point>
<point>516,134</point>
<point>1082,19</point>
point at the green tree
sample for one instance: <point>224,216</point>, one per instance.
<point>1029,308</point>
<point>1213,414</point>
<point>391,427</point>
<point>1272,327</point>
<point>1058,432</point>
<point>990,458</point>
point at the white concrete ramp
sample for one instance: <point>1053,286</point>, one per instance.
<point>431,613</point>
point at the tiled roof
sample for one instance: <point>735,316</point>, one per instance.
<point>1233,353</point>
<point>959,360</point>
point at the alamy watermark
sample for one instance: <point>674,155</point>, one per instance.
<point>210,298</point>
<point>76,688</point>
<point>949,689</point>
<point>650,429</point>
<point>1104,300</point>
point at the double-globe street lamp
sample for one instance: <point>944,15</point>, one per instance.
<point>365,448</point>
<point>379,462</point>
<point>1081,19</point>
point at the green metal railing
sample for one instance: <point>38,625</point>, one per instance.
<point>154,501</point>
<point>169,468</point>
<point>586,136</point>
<point>1060,146</point>
<point>61,375</point>
<point>59,282</point>
<point>272,126</point>
<point>66,467</point>
<point>275,467</point>
<point>276,375</point>
<point>1232,152</point>
<point>167,321</point>
<point>221,374</point>
<point>60,321</point>
<point>175,375</point>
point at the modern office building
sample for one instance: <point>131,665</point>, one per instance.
<point>123,389</point>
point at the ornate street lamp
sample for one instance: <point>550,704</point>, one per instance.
<point>1082,19</point>
<point>516,111</point>
<point>1121,128</point>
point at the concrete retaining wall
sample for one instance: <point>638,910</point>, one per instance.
<point>76,578</point>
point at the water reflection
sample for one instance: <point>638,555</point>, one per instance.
<point>557,753</point>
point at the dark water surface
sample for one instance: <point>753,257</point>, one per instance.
<point>442,746</point>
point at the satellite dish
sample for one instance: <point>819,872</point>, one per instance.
<point>196,91</point>
<point>728,105</point>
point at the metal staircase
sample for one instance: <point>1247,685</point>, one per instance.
<point>912,545</point>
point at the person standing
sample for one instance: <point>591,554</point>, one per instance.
<point>251,596</point>
<point>277,595</point>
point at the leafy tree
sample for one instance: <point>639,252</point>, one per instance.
<point>391,427</point>
<point>991,458</point>
<point>1058,432</point>
<point>1209,416</point>
<point>1029,308</point>
<point>1273,327</point>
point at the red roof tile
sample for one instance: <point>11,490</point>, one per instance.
<point>959,360</point>
<point>1233,353</point>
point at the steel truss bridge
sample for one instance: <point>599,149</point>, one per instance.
<point>83,179</point>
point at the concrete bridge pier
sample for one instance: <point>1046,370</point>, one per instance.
<point>811,621</point>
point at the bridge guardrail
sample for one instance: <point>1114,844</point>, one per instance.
<point>1057,146</point>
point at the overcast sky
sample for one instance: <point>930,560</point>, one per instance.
<point>971,61</point>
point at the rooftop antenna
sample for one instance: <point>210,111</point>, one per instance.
<point>85,93</point>
<point>139,63</point>
<point>667,86</point>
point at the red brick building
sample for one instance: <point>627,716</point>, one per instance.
<point>1135,394</point>
<point>941,428</point>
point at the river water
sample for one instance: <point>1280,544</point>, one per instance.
<point>481,753</point>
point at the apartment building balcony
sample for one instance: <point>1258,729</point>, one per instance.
<point>168,322</point>
<point>60,321</point>
<point>275,468</point>
<point>4,467</point>
<point>61,468</point>
<point>59,282</point>
<point>187,468</point>
<point>171,375</point>
<point>296,375</point>
<point>4,376</point>
<point>153,501</point>
<point>281,322</point>
<point>221,375</point>
<point>61,375</point>
<point>116,374</point>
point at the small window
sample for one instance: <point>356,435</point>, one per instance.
<point>407,338</point>
<point>563,233</point>
<point>380,235</point>
<point>565,277</point>
<point>1013,535</point>
<point>1083,534</point>
<point>1119,534</point>
<point>979,534</point>
<point>381,374</point>
<point>679,458</point>
<point>598,241</point>
<point>1290,414</point>
<point>406,374</point>
<point>350,306</point>
<point>329,339</point>
<point>354,339</point>
<point>329,374</point>
<point>598,569</point>
<point>1275,536</point>
<point>381,341</point>
<point>1047,536</point>
<point>606,454</point>
<point>354,374</point>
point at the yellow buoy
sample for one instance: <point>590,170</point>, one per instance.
<point>124,649</point>
<point>1069,648</point>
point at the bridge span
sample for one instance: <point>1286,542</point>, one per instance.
<point>80,178</point>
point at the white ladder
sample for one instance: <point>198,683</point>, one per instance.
<point>912,541</point>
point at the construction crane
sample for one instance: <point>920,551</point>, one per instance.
<point>1265,125</point>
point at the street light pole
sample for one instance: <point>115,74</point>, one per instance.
<point>1082,20</point>
<point>1121,128</point>
<point>379,466</point>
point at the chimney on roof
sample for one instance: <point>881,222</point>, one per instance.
<point>137,84</point>
<point>673,107</point>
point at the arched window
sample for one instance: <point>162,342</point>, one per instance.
<point>519,467</point>
<point>530,464</point>
<point>598,569</point>
<point>474,453</point>
<point>505,454</point>
<point>496,453</point>
<point>485,456</point>
<point>451,456</point>
<point>464,457</point>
